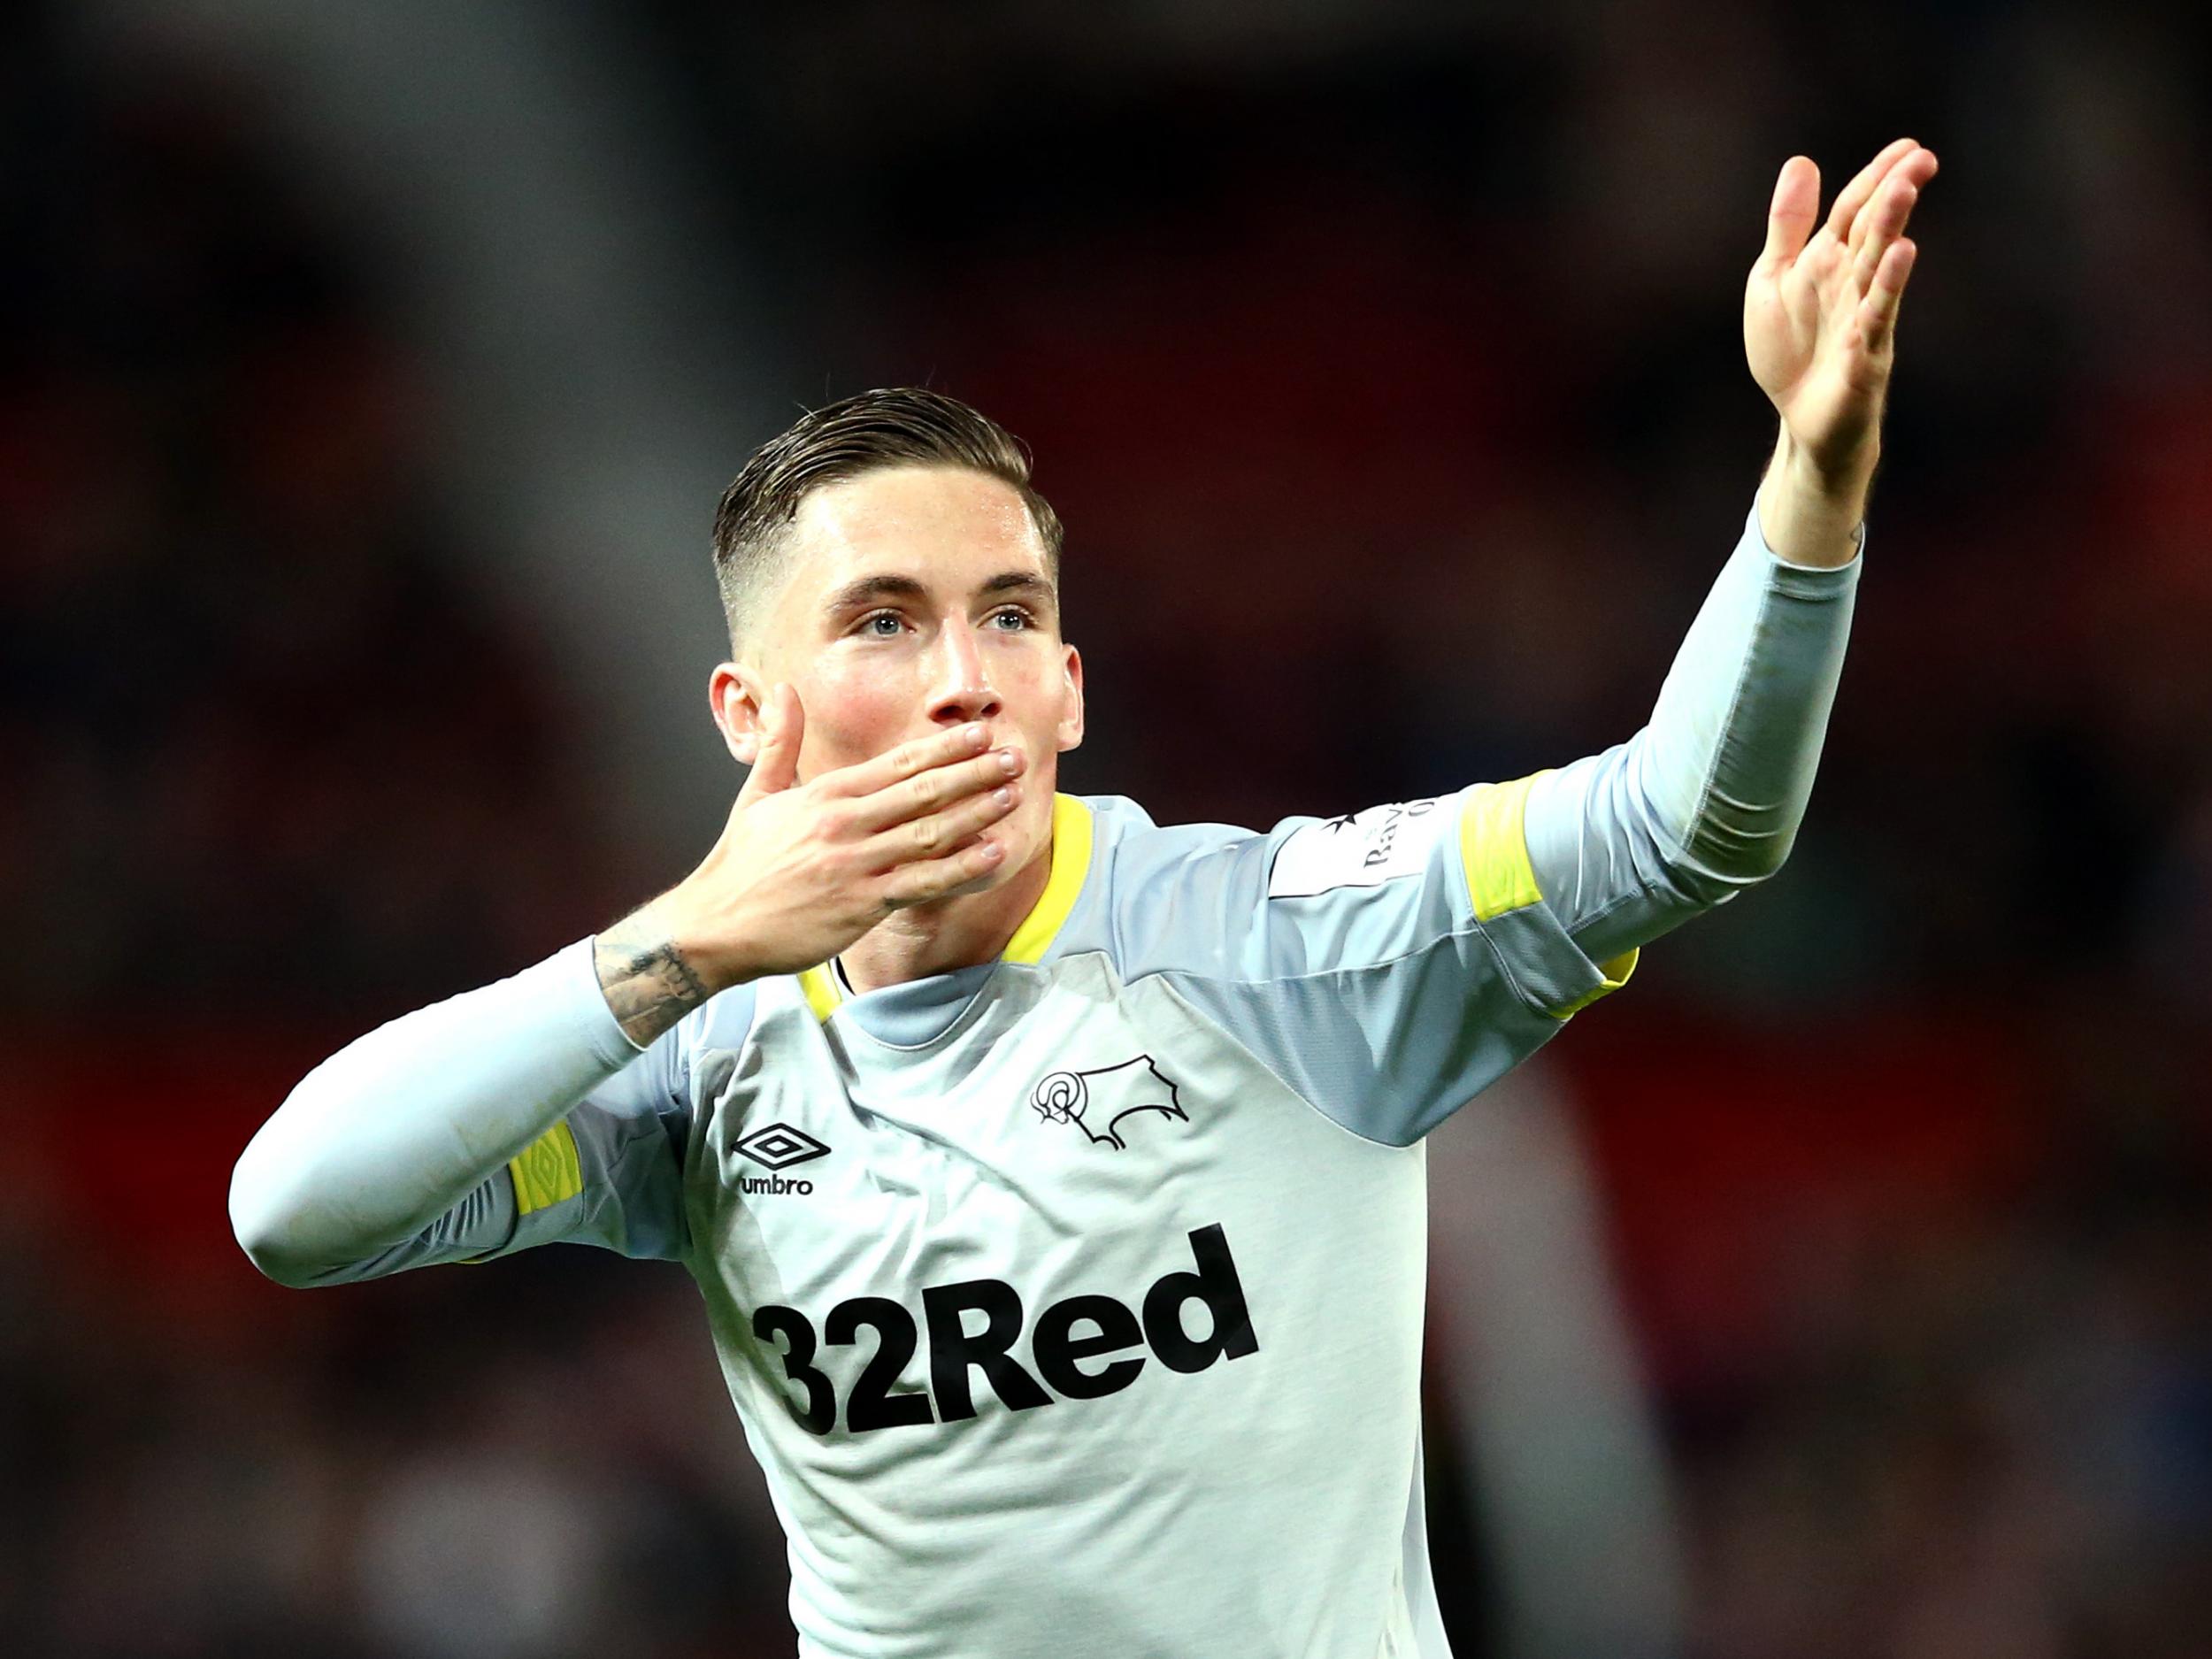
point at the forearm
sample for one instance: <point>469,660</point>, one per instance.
<point>1708,797</point>
<point>395,1129</point>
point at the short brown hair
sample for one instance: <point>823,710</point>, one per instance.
<point>899,425</point>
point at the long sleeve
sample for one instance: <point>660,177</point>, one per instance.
<point>1708,797</point>
<point>507,1115</point>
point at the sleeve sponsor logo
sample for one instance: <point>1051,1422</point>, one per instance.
<point>1359,849</point>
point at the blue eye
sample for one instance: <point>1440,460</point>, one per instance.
<point>1020,618</point>
<point>883,624</point>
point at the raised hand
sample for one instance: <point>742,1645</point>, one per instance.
<point>801,871</point>
<point>1820,309</point>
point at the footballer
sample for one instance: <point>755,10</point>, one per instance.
<point>1055,1180</point>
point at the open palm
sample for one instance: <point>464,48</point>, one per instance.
<point>1820,309</point>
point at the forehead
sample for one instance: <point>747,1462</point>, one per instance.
<point>942,526</point>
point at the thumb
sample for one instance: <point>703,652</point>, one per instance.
<point>1791,214</point>
<point>782,723</point>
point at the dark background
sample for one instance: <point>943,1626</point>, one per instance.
<point>366,381</point>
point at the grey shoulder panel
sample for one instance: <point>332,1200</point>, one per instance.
<point>1347,955</point>
<point>1311,894</point>
<point>1352,1044</point>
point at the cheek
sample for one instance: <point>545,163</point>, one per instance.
<point>1038,694</point>
<point>850,717</point>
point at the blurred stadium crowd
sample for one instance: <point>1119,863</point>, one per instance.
<point>1385,371</point>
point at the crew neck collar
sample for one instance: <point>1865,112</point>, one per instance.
<point>908,1006</point>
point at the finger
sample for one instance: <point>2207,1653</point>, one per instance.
<point>935,834</point>
<point>1909,175</point>
<point>937,787</point>
<point>1790,215</point>
<point>1855,194</point>
<point>783,724</point>
<point>941,877</point>
<point>938,748</point>
<point>1880,226</point>
<point>1877,312</point>
<point>1884,221</point>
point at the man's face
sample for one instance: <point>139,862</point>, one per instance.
<point>917,598</point>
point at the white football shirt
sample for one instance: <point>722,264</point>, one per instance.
<point>1073,1303</point>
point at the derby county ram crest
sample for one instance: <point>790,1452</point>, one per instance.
<point>1099,1101</point>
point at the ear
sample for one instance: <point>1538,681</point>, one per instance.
<point>738,697</point>
<point>1070,730</point>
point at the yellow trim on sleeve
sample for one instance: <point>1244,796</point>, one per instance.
<point>1495,848</point>
<point>1071,867</point>
<point>547,1171</point>
<point>1615,972</point>
<point>1501,876</point>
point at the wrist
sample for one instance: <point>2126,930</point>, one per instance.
<point>650,979</point>
<point>1809,513</point>
<point>1834,476</point>
<point>679,922</point>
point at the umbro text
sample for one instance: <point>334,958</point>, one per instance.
<point>773,1184</point>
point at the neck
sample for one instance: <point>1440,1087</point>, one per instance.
<point>960,933</point>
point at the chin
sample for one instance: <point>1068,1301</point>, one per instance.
<point>1024,845</point>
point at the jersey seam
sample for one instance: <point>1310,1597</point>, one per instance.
<point>1268,1066</point>
<point>1505,969</point>
<point>1676,860</point>
<point>1118,945</point>
<point>695,1153</point>
<point>1477,927</point>
<point>967,1015</point>
<point>1645,890</point>
<point>1728,723</point>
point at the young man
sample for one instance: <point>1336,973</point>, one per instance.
<point>1055,1181</point>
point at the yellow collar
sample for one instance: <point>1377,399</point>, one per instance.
<point>1070,866</point>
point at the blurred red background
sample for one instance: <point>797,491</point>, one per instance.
<point>366,386</point>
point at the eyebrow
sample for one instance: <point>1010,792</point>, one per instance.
<point>854,595</point>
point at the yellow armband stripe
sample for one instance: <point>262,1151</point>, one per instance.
<point>1501,876</point>
<point>1492,844</point>
<point>547,1171</point>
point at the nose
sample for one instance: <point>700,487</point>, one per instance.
<point>963,689</point>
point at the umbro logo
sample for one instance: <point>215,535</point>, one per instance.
<point>776,1147</point>
<point>1099,1101</point>
<point>780,1146</point>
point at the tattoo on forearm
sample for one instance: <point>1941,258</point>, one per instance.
<point>648,983</point>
